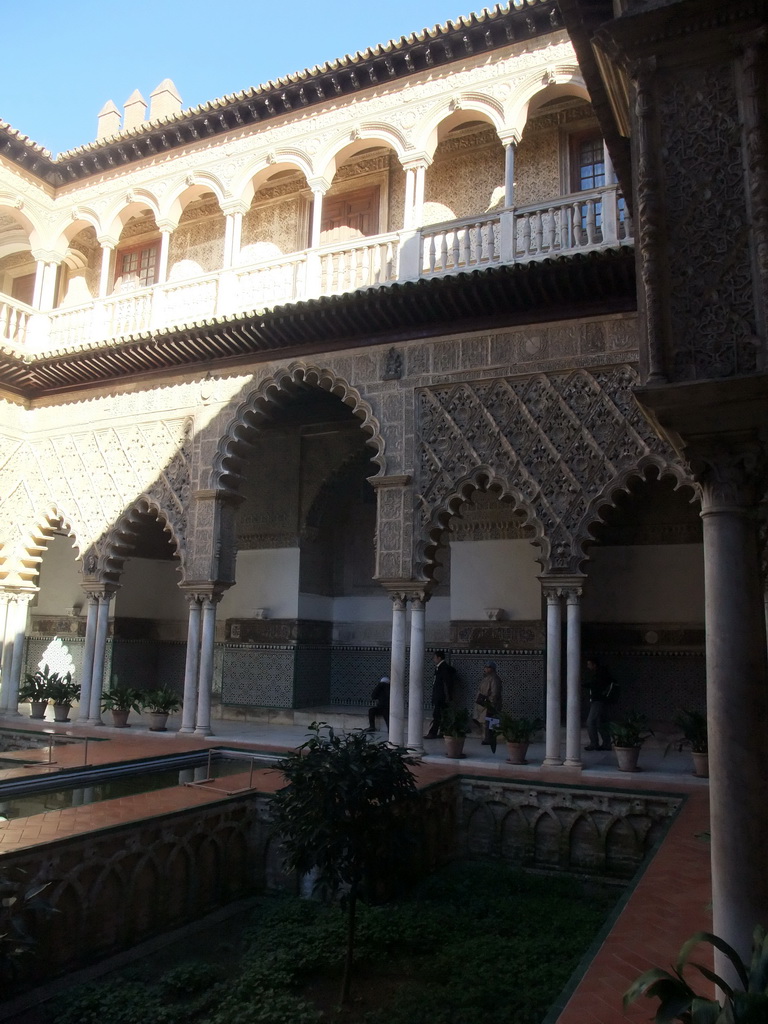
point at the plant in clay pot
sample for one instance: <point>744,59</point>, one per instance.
<point>693,725</point>
<point>160,703</point>
<point>518,733</point>
<point>455,726</point>
<point>628,735</point>
<point>34,690</point>
<point>121,701</point>
<point>62,691</point>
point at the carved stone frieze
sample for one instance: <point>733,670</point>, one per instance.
<point>553,443</point>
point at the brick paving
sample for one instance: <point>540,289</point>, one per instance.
<point>670,902</point>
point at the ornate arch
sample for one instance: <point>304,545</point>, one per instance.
<point>20,562</point>
<point>567,76</point>
<point>621,484</point>
<point>226,475</point>
<point>482,478</point>
<point>105,558</point>
<point>425,135</point>
<point>326,162</point>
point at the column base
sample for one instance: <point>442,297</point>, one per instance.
<point>189,729</point>
<point>573,762</point>
<point>203,732</point>
<point>552,762</point>
<point>95,721</point>
<point>418,750</point>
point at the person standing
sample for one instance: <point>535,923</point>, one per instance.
<point>488,700</point>
<point>441,693</point>
<point>600,685</point>
<point>380,699</point>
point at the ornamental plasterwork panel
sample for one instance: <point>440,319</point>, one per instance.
<point>92,477</point>
<point>537,167</point>
<point>554,442</point>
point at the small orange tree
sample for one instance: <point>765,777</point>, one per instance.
<point>341,816</point>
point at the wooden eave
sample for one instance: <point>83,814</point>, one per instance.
<point>424,51</point>
<point>592,284</point>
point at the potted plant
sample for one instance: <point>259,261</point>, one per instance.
<point>455,726</point>
<point>160,703</point>
<point>62,691</point>
<point>518,732</point>
<point>628,736</point>
<point>121,701</point>
<point>693,725</point>
<point>34,690</point>
<point>744,992</point>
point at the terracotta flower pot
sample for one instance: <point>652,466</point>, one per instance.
<point>626,758</point>
<point>61,712</point>
<point>517,752</point>
<point>120,717</point>
<point>37,708</point>
<point>454,746</point>
<point>157,721</point>
<point>701,763</point>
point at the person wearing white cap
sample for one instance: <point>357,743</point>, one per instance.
<point>380,698</point>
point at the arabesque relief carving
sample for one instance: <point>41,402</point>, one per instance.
<point>556,441</point>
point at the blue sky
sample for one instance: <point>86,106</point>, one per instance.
<point>62,62</point>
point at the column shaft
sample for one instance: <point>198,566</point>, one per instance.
<point>317,217</point>
<point>106,258</point>
<point>88,650</point>
<point>397,673</point>
<point>226,261</point>
<point>509,174</point>
<point>205,683</point>
<point>418,196</point>
<point>737,711</point>
<point>573,679</point>
<point>410,183</point>
<point>416,677</point>
<point>192,666</point>
<point>99,651</point>
<point>17,654</point>
<point>552,752</point>
<point>162,265</point>
<point>6,650</point>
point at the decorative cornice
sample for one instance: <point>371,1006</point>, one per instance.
<point>590,284</point>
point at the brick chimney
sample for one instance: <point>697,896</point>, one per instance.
<point>135,111</point>
<point>108,121</point>
<point>164,101</point>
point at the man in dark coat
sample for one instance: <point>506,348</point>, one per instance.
<point>441,693</point>
<point>600,683</point>
<point>380,698</point>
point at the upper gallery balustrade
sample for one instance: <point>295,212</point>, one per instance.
<point>570,224</point>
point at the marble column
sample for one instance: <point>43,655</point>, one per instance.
<point>397,671</point>
<point>418,195</point>
<point>106,263</point>
<point>410,185</point>
<point>48,291</point>
<point>6,650</point>
<point>205,678</point>
<point>37,294</point>
<point>317,216</point>
<point>552,749</point>
<point>737,692</point>
<point>99,652</point>
<point>192,665</point>
<point>509,173</point>
<point>573,677</point>
<point>162,263</point>
<point>86,674</point>
<point>17,652</point>
<point>416,675</point>
<point>237,237</point>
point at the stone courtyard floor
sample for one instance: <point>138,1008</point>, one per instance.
<point>670,901</point>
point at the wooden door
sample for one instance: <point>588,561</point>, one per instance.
<point>350,215</point>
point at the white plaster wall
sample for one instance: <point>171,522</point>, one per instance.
<point>494,574</point>
<point>316,606</point>
<point>59,581</point>
<point>149,589</point>
<point>267,578</point>
<point>645,583</point>
<point>372,608</point>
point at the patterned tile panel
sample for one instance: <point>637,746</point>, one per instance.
<point>257,676</point>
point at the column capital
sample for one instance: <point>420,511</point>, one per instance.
<point>732,473</point>
<point>415,161</point>
<point>509,137</point>
<point>233,206</point>
<point>203,590</point>
<point>407,590</point>
<point>319,185</point>
<point>108,241</point>
<point>100,591</point>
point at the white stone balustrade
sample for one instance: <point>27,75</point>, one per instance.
<point>576,223</point>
